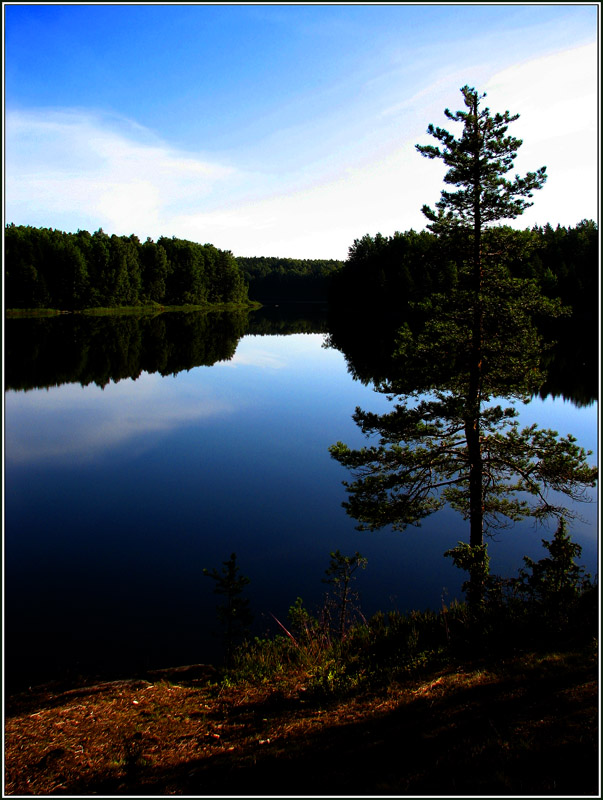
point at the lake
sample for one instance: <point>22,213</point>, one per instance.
<point>138,452</point>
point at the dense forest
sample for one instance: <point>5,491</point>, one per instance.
<point>288,279</point>
<point>391,272</point>
<point>47,268</point>
<point>385,280</point>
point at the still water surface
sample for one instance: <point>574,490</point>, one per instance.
<point>118,497</point>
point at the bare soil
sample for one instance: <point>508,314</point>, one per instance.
<point>526,726</point>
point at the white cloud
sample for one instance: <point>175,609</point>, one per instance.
<point>282,352</point>
<point>264,360</point>
<point>99,168</point>
<point>79,169</point>
<point>556,97</point>
<point>323,221</point>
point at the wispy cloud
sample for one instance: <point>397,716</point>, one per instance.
<point>565,100</point>
<point>556,97</point>
<point>79,168</point>
<point>258,358</point>
<point>102,168</point>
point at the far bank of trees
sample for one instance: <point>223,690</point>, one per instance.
<point>48,268</point>
<point>274,279</point>
<point>390,272</point>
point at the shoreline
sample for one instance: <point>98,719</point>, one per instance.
<point>14,313</point>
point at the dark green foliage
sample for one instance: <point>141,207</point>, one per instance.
<point>478,162</point>
<point>288,279</point>
<point>398,271</point>
<point>420,462</point>
<point>47,268</point>
<point>475,561</point>
<point>440,352</point>
<point>392,271</point>
<point>154,268</point>
<point>303,626</point>
<point>566,263</point>
<point>307,641</point>
<point>234,613</point>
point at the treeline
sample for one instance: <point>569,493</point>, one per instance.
<point>47,268</point>
<point>288,279</point>
<point>391,272</point>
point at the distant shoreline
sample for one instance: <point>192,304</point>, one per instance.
<point>13,313</point>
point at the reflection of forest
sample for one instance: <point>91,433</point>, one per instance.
<point>98,349</point>
<point>572,364</point>
<point>286,318</point>
<point>76,348</point>
<point>368,342</point>
<point>43,352</point>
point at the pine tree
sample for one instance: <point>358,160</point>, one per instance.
<point>478,163</point>
<point>553,584</point>
<point>234,613</point>
<point>444,442</point>
<point>340,576</point>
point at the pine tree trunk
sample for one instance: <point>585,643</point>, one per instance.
<point>472,421</point>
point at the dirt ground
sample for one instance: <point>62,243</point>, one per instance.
<point>524,727</point>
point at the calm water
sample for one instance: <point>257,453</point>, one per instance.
<point>116,498</point>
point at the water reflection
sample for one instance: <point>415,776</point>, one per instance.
<point>45,352</point>
<point>70,423</point>
<point>40,353</point>
<point>90,349</point>
<point>156,478</point>
<point>369,340</point>
<point>117,497</point>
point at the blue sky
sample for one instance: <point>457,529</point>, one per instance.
<point>284,130</point>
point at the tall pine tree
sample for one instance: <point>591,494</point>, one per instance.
<point>450,444</point>
<point>478,163</point>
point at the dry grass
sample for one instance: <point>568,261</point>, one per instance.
<point>528,726</point>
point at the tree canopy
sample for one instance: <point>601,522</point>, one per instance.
<point>48,268</point>
<point>478,161</point>
<point>391,272</point>
<point>288,279</point>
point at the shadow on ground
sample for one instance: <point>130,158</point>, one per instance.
<point>525,734</point>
